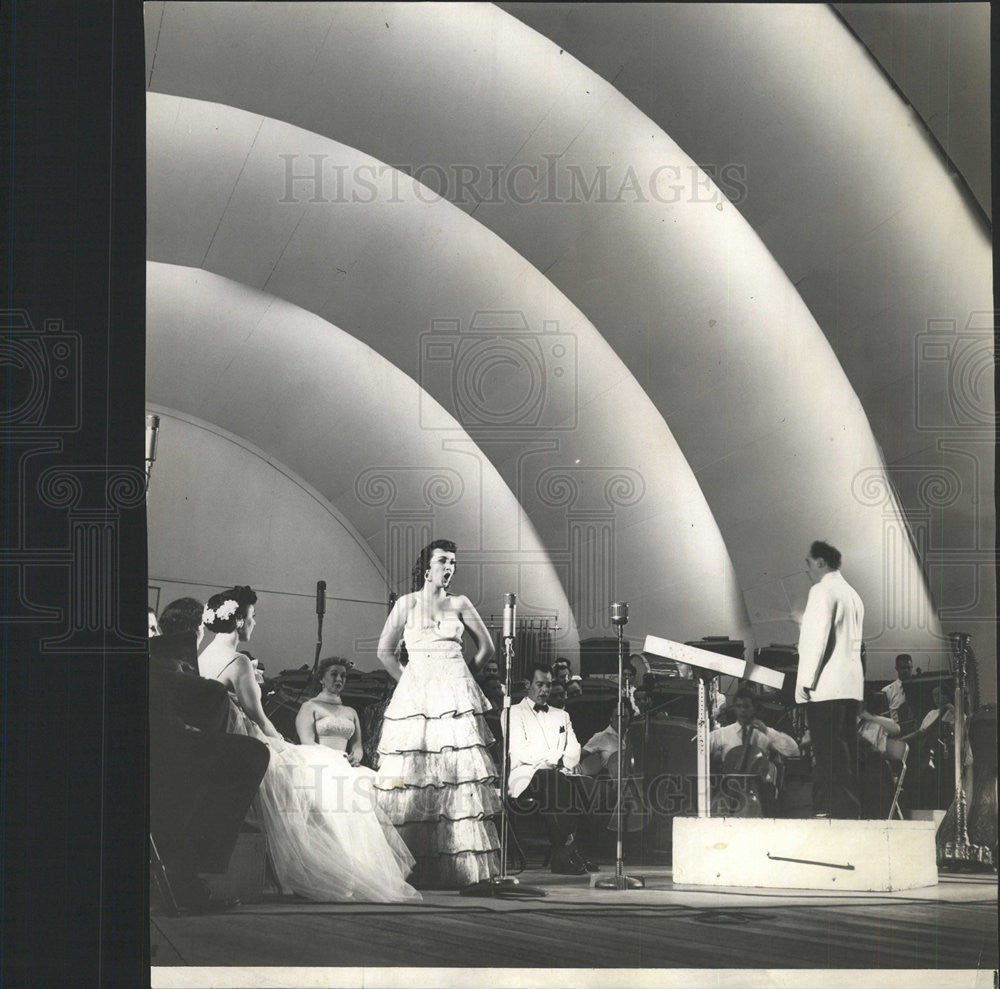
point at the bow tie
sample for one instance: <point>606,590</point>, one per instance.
<point>541,707</point>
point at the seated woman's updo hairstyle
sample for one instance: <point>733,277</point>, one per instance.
<point>224,610</point>
<point>325,664</point>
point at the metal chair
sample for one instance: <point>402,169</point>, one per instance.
<point>162,881</point>
<point>896,752</point>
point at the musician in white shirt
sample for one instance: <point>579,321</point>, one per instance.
<point>831,681</point>
<point>629,671</point>
<point>601,749</point>
<point>748,729</point>
<point>544,755</point>
<point>895,692</point>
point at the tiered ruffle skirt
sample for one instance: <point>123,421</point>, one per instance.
<point>437,782</point>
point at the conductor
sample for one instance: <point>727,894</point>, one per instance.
<point>830,682</point>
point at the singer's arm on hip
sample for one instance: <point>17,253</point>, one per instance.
<point>477,629</point>
<point>392,632</point>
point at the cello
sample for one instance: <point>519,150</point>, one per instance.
<point>743,789</point>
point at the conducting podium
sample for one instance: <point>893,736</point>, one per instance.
<point>705,666</point>
<point>783,854</point>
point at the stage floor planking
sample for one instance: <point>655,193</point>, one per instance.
<point>952,925</point>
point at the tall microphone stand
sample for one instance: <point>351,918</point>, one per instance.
<point>619,618</point>
<point>504,886</point>
<point>152,430</point>
<point>155,859</point>
<point>320,612</point>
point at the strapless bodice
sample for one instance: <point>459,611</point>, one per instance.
<point>445,634</point>
<point>335,726</point>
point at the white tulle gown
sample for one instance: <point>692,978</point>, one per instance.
<point>327,839</point>
<point>436,780</point>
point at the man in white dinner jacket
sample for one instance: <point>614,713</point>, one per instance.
<point>831,681</point>
<point>544,756</point>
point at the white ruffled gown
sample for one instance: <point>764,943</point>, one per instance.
<point>327,838</point>
<point>437,781</point>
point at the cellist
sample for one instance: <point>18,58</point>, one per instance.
<point>748,746</point>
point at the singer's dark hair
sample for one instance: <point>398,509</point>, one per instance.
<point>824,551</point>
<point>243,596</point>
<point>424,560</point>
<point>530,671</point>
<point>182,615</point>
<point>748,695</point>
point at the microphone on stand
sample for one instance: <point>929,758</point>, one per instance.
<point>504,886</point>
<point>620,880</point>
<point>152,430</point>
<point>509,617</point>
<point>320,612</point>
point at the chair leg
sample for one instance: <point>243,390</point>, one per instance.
<point>895,808</point>
<point>162,880</point>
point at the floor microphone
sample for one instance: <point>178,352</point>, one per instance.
<point>320,597</point>
<point>509,616</point>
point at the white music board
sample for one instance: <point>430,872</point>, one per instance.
<point>693,656</point>
<point>764,675</point>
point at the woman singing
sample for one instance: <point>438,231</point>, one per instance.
<point>327,839</point>
<point>436,777</point>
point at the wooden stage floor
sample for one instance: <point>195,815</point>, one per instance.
<point>950,926</point>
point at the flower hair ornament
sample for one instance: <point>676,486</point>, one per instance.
<point>227,609</point>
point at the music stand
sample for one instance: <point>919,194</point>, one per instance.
<point>706,666</point>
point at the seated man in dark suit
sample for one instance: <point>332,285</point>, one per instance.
<point>201,781</point>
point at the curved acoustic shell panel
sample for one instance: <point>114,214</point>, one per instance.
<point>719,419</point>
<point>253,366</point>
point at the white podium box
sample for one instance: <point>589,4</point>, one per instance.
<point>937,816</point>
<point>817,853</point>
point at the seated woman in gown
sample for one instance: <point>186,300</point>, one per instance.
<point>326,719</point>
<point>327,839</point>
